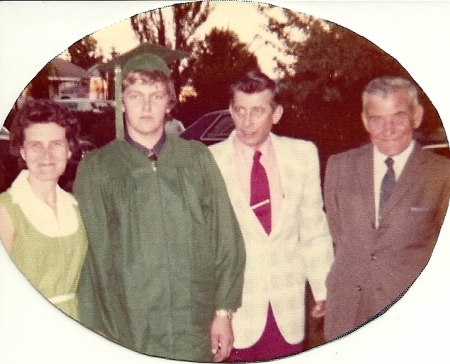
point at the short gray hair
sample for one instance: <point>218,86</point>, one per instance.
<point>387,85</point>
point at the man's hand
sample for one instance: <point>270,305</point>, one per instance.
<point>318,310</point>
<point>221,338</point>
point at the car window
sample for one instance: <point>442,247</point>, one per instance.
<point>101,106</point>
<point>439,148</point>
<point>76,104</point>
<point>71,105</point>
<point>220,129</point>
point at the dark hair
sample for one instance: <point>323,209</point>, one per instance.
<point>42,112</point>
<point>255,81</point>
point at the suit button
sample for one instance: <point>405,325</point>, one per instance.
<point>359,288</point>
<point>373,256</point>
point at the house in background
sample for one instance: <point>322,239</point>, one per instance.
<point>68,80</point>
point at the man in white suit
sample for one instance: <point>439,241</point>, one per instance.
<point>293,245</point>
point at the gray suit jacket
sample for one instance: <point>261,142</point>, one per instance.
<point>373,266</point>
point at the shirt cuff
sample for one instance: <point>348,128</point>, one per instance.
<point>225,313</point>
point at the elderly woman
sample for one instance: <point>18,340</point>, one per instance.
<point>40,223</point>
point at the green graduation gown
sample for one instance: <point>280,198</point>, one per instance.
<point>165,247</point>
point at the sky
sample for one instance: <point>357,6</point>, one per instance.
<point>241,17</point>
<point>415,33</point>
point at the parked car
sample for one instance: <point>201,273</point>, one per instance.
<point>100,106</point>
<point>86,105</point>
<point>76,104</point>
<point>9,168</point>
<point>210,128</point>
<point>216,126</point>
<point>435,141</point>
<point>439,148</point>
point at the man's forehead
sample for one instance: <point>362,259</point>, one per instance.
<point>141,85</point>
<point>399,93</point>
<point>262,96</point>
<point>399,98</point>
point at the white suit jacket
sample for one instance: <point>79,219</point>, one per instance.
<point>298,249</point>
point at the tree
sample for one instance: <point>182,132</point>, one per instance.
<point>173,27</point>
<point>213,65</point>
<point>323,85</point>
<point>84,52</point>
<point>39,87</point>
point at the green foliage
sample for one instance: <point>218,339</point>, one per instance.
<point>188,18</point>
<point>83,52</point>
<point>150,27</point>
<point>173,26</point>
<point>39,87</point>
<point>323,86</point>
<point>213,65</point>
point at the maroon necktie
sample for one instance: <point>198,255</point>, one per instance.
<point>260,193</point>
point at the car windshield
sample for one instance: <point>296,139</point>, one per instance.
<point>71,105</point>
<point>220,129</point>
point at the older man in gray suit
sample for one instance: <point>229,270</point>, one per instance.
<point>385,204</point>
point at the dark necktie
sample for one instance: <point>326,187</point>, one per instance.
<point>260,193</point>
<point>387,185</point>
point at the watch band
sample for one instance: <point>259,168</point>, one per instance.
<point>225,313</point>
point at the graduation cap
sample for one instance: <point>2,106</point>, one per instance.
<point>146,57</point>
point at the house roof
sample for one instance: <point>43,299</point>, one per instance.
<point>66,69</point>
<point>169,55</point>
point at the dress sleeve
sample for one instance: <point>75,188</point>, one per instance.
<point>315,239</point>
<point>230,248</point>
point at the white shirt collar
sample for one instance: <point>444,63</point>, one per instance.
<point>42,216</point>
<point>399,160</point>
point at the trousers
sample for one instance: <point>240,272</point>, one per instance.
<point>271,345</point>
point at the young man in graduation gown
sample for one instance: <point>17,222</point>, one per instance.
<point>165,264</point>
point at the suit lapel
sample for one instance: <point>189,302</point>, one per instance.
<point>287,183</point>
<point>407,179</point>
<point>364,173</point>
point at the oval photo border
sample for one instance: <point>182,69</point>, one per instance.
<point>409,330</point>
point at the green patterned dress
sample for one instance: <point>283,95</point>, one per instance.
<point>49,249</point>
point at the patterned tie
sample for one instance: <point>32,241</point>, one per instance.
<point>260,193</point>
<point>387,185</point>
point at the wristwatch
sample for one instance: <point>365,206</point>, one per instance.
<point>225,313</point>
